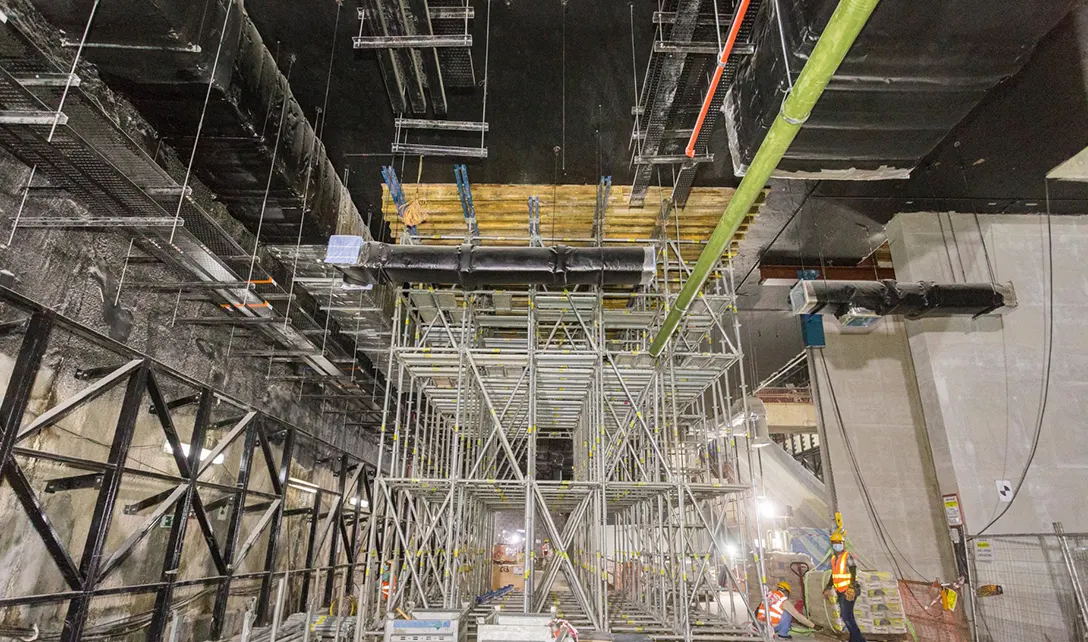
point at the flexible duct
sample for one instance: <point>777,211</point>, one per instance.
<point>883,298</point>
<point>472,266</point>
<point>757,412</point>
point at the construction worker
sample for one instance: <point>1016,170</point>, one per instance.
<point>843,585</point>
<point>783,612</point>
<point>387,580</point>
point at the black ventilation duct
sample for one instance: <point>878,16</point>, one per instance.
<point>858,303</point>
<point>917,69</point>
<point>472,266</point>
<point>160,55</point>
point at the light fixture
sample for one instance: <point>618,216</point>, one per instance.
<point>361,503</point>
<point>767,509</point>
<point>302,484</point>
<point>732,550</point>
<point>204,452</point>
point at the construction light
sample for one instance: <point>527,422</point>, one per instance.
<point>204,452</point>
<point>767,509</point>
<point>303,485</point>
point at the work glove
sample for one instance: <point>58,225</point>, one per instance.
<point>850,594</point>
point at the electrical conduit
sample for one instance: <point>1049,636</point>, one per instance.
<point>842,30</point>
<point>742,10</point>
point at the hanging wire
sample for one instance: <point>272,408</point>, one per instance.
<point>955,242</point>
<point>328,77</point>
<point>985,251</point>
<point>487,57</point>
<point>634,74</point>
<point>947,252</point>
<point>298,241</point>
<point>1048,353</point>
<point>782,40</point>
<point>22,206</point>
<point>718,26</point>
<point>72,72</point>
<point>200,123</point>
<point>124,271</point>
<point>563,144</point>
<point>271,173</point>
<point>267,189</point>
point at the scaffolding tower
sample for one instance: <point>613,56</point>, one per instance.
<point>656,531</point>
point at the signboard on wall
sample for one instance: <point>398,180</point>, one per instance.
<point>1004,490</point>
<point>984,550</point>
<point>952,511</point>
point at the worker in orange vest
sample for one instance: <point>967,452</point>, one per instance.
<point>782,611</point>
<point>843,585</point>
<point>387,580</point>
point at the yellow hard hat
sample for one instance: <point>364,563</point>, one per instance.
<point>785,586</point>
<point>837,537</point>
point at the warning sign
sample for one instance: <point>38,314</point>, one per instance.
<point>984,550</point>
<point>1004,490</point>
<point>952,511</point>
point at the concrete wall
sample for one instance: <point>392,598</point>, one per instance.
<point>873,381</point>
<point>980,379</point>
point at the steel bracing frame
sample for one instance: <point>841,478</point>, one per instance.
<point>655,531</point>
<point>260,445</point>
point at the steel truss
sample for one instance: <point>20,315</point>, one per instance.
<point>247,553</point>
<point>656,530</point>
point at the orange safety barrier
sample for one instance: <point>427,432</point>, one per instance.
<point>931,623</point>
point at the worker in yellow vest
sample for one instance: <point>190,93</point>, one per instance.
<point>782,612</point>
<point>844,585</point>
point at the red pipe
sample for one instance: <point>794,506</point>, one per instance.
<point>729,42</point>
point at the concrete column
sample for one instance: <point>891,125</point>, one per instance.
<point>868,394</point>
<point>980,379</point>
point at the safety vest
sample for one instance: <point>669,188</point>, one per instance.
<point>840,572</point>
<point>776,599</point>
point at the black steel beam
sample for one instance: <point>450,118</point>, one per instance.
<point>353,541</point>
<point>12,409</point>
<point>142,377</point>
<point>280,477</point>
<point>75,482</point>
<point>147,502</point>
<point>180,402</point>
<point>86,374</point>
<point>25,493</point>
<point>174,543</point>
<point>17,395</point>
<point>219,611</point>
<point>270,461</point>
<point>334,547</point>
<point>101,518</point>
<point>315,517</point>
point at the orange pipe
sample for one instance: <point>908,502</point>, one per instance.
<point>729,42</point>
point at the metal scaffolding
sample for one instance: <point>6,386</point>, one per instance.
<point>654,532</point>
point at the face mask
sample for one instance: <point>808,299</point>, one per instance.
<point>837,547</point>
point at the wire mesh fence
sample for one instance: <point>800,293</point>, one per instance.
<point>1030,587</point>
<point>929,622</point>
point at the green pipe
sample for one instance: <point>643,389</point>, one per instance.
<point>839,35</point>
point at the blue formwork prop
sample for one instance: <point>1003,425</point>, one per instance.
<point>464,191</point>
<point>396,192</point>
<point>497,593</point>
